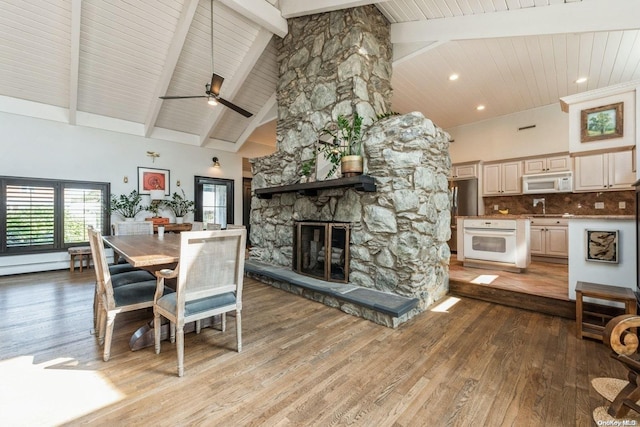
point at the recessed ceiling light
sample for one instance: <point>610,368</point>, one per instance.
<point>453,77</point>
<point>581,80</point>
<point>480,107</point>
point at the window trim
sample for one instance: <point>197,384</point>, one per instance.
<point>199,181</point>
<point>59,186</point>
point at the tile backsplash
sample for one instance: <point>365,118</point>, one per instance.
<point>561,203</point>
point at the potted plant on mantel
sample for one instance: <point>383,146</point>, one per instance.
<point>346,148</point>
<point>180,206</point>
<point>127,206</point>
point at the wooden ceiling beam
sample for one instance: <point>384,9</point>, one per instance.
<point>260,12</point>
<point>296,8</point>
<point>233,84</point>
<point>258,120</point>
<point>579,17</point>
<point>74,66</point>
<point>179,37</point>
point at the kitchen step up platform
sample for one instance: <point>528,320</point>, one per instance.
<point>383,308</point>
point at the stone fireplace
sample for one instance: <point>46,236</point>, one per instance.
<point>337,63</point>
<point>321,250</point>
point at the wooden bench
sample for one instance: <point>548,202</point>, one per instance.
<point>586,320</point>
<point>79,251</point>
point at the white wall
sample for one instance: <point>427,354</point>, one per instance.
<point>46,149</point>
<point>499,138</point>
<point>621,274</point>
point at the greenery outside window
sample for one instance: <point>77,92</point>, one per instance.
<point>43,215</point>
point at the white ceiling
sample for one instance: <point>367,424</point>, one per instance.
<point>104,63</point>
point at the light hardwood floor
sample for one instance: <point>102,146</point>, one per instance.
<point>540,278</point>
<point>303,363</point>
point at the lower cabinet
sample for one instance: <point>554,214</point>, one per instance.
<point>549,238</point>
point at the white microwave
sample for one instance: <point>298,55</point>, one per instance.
<point>554,182</point>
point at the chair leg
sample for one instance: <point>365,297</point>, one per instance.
<point>172,332</point>
<point>157,330</point>
<point>239,330</point>
<point>198,326</point>
<point>180,348</point>
<point>102,323</point>
<point>223,321</point>
<point>111,318</point>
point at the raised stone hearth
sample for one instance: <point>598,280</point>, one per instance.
<point>338,63</point>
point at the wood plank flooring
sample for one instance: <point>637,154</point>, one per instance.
<point>303,363</point>
<point>541,278</point>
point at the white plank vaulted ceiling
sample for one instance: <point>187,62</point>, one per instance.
<point>104,63</point>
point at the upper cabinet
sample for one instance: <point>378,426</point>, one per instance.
<point>547,164</point>
<point>605,171</point>
<point>464,170</point>
<point>502,179</point>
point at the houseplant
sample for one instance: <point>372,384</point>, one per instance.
<point>154,208</point>
<point>127,206</point>
<point>179,205</point>
<point>346,148</point>
<point>306,170</point>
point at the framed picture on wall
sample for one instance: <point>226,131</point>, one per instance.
<point>153,179</point>
<point>601,122</point>
<point>602,246</point>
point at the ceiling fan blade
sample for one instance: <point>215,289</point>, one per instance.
<point>183,97</point>
<point>234,107</point>
<point>216,84</point>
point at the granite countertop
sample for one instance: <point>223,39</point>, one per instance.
<point>564,216</point>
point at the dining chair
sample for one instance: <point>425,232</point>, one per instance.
<point>209,276</point>
<point>235,227</point>
<point>129,228</point>
<point>197,226</point>
<point>119,293</point>
<point>213,226</point>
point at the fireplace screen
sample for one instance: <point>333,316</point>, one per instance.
<point>322,250</point>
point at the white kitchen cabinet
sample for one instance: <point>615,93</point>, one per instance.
<point>547,164</point>
<point>464,170</point>
<point>501,179</point>
<point>549,237</point>
<point>605,171</point>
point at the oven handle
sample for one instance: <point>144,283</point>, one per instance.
<point>485,232</point>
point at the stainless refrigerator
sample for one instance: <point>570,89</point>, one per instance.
<point>464,202</point>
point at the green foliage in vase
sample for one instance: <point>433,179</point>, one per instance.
<point>347,140</point>
<point>128,206</point>
<point>179,204</point>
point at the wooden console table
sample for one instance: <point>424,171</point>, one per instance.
<point>587,327</point>
<point>173,228</point>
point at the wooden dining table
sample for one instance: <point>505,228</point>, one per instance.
<point>152,253</point>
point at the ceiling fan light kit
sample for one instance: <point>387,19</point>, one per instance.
<point>212,90</point>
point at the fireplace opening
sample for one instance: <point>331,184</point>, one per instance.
<point>322,250</point>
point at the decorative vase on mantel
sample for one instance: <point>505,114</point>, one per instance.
<point>351,165</point>
<point>179,220</point>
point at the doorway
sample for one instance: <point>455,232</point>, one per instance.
<point>214,200</point>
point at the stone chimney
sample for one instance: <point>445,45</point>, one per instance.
<point>334,64</point>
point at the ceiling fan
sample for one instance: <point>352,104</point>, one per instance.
<point>212,90</point>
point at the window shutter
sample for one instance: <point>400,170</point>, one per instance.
<point>30,216</point>
<point>82,207</point>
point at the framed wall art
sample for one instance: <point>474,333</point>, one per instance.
<point>153,179</point>
<point>601,122</point>
<point>602,246</point>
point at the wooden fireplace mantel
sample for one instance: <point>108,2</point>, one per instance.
<point>361,182</point>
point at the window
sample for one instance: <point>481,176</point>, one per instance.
<point>39,215</point>
<point>214,200</point>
